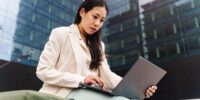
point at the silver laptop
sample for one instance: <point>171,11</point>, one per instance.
<point>134,84</point>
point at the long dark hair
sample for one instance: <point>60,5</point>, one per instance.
<point>93,41</point>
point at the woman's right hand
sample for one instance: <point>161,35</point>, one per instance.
<point>94,80</point>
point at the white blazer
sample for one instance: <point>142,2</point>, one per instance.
<point>60,64</point>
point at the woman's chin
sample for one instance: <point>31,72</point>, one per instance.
<point>91,32</point>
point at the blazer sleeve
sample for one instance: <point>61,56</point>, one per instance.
<point>110,78</point>
<point>47,71</point>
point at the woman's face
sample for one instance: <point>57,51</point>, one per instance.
<point>92,20</point>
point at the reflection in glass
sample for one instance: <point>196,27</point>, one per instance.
<point>26,25</point>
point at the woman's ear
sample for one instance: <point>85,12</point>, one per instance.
<point>82,12</point>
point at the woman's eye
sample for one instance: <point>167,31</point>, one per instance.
<point>95,17</point>
<point>102,21</point>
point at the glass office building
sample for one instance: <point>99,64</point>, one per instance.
<point>122,34</point>
<point>25,26</point>
<point>162,31</point>
<point>172,29</point>
<point>169,29</point>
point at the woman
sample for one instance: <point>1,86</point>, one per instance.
<point>75,54</point>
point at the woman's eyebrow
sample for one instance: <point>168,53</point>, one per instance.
<point>99,15</point>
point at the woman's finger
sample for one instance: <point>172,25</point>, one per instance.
<point>90,80</point>
<point>149,93</point>
<point>101,82</point>
<point>98,81</point>
<point>152,89</point>
<point>94,80</point>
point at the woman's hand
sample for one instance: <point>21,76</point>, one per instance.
<point>150,91</point>
<point>94,80</point>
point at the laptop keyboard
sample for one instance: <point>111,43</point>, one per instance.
<point>96,88</point>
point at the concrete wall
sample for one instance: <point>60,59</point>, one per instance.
<point>181,82</point>
<point>16,76</point>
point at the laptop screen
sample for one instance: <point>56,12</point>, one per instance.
<point>141,75</point>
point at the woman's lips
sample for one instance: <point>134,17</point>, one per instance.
<point>93,29</point>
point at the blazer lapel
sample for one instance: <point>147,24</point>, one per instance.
<point>75,43</point>
<point>83,44</point>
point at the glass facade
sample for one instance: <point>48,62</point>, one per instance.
<point>167,30</point>
<point>25,26</point>
<point>122,36</point>
<point>161,30</point>
<point>172,29</point>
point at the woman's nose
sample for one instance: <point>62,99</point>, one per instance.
<point>97,23</point>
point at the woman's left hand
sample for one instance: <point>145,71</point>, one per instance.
<point>150,91</point>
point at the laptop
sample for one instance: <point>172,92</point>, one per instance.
<point>134,84</point>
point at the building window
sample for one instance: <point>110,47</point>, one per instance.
<point>196,3</point>
<point>122,43</point>
<point>49,24</point>
<point>157,52</point>
<point>114,45</point>
<point>115,28</point>
<point>155,34</point>
<point>171,48</point>
<point>193,44</point>
<point>199,40</point>
<point>152,17</point>
<point>121,27</point>
<point>123,60</point>
<point>188,24</point>
<point>137,38</point>
<point>192,3</point>
<point>171,10</point>
<point>147,18</point>
<point>50,9</point>
<point>164,12</point>
<point>183,6</point>
<point>160,32</point>
<point>33,18</point>
<point>135,22</point>
<point>174,28</point>
<point>162,51</point>
<point>196,22</point>
<point>168,29</point>
<point>1,27</point>
<point>31,35</point>
<point>178,48</point>
<point>149,35</point>
<point>35,2</point>
<point>128,24</point>
<point>134,7</point>
<point>152,53</point>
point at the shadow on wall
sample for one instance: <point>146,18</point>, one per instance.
<point>181,81</point>
<point>16,76</point>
